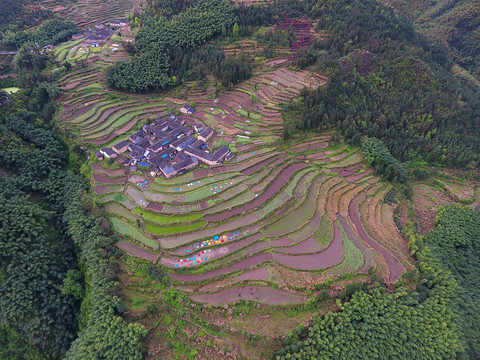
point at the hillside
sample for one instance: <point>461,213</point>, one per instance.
<point>389,82</point>
<point>455,24</point>
<point>219,181</point>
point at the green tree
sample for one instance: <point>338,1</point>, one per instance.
<point>236,30</point>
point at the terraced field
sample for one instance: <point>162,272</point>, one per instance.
<point>241,229</point>
<point>85,13</point>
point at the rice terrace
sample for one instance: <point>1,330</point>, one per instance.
<point>233,228</point>
<point>271,226</point>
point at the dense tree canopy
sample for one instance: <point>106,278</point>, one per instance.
<point>456,243</point>
<point>388,82</point>
<point>36,318</point>
<point>51,32</point>
<point>44,229</point>
<point>160,38</point>
<point>376,154</point>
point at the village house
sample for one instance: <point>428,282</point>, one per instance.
<point>138,136</point>
<point>179,168</point>
<point>98,155</point>
<point>123,22</point>
<point>198,127</point>
<point>114,23</point>
<point>205,134</point>
<point>199,144</point>
<point>77,36</point>
<point>136,152</point>
<point>187,109</point>
<point>99,26</point>
<point>229,156</point>
<point>108,153</point>
<point>121,147</point>
<point>98,36</point>
<point>209,159</point>
<point>182,142</point>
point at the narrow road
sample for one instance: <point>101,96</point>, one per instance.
<point>8,52</point>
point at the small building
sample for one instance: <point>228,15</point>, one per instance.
<point>220,154</point>
<point>181,156</point>
<point>114,23</point>
<point>77,36</point>
<point>48,47</point>
<point>138,136</point>
<point>187,109</point>
<point>199,144</point>
<point>99,26</point>
<point>182,142</point>
<point>179,120</point>
<point>108,153</point>
<point>123,22</point>
<point>198,127</point>
<point>100,36</point>
<point>205,134</point>
<point>98,155</point>
<point>144,143</point>
<point>121,147</point>
<point>179,168</point>
<point>229,156</point>
<point>136,152</point>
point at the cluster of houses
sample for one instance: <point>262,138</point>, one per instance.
<point>168,147</point>
<point>100,34</point>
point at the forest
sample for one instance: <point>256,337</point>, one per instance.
<point>160,41</point>
<point>455,242</point>
<point>57,265</point>
<point>51,32</point>
<point>454,24</point>
<point>388,82</point>
<point>376,154</point>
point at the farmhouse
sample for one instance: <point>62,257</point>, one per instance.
<point>182,142</point>
<point>205,134</point>
<point>138,136</point>
<point>198,127</point>
<point>156,147</point>
<point>99,36</point>
<point>187,109</point>
<point>77,36</point>
<point>136,152</point>
<point>108,153</point>
<point>209,159</point>
<point>123,22</point>
<point>179,168</point>
<point>114,23</point>
<point>121,147</point>
<point>99,26</point>
<point>98,155</point>
<point>179,120</point>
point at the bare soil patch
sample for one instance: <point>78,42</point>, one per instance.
<point>136,251</point>
<point>252,293</point>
